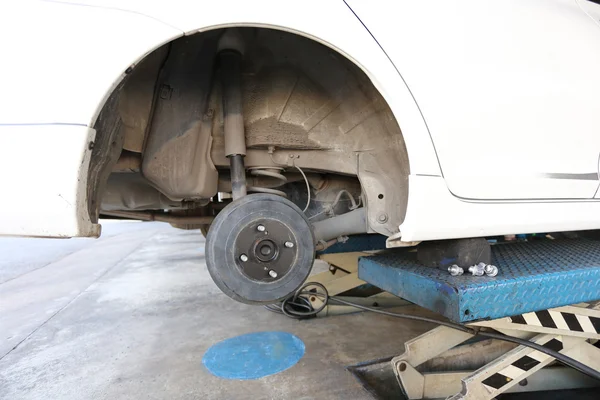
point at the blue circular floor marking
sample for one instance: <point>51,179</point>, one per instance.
<point>253,355</point>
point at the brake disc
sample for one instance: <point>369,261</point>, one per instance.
<point>260,249</point>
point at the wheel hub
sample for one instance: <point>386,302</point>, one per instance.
<point>267,250</point>
<point>260,249</point>
<point>263,242</point>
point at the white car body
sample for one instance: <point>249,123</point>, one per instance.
<point>498,102</point>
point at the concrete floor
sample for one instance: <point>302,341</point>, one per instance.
<point>130,315</point>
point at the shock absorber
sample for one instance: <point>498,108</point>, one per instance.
<point>230,58</point>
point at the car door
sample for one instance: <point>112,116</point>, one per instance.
<point>510,90</point>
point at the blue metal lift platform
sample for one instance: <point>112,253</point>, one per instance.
<point>533,276</point>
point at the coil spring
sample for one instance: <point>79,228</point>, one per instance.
<point>271,172</point>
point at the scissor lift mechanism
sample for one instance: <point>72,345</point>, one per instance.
<point>519,369</point>
<point>545,292</point>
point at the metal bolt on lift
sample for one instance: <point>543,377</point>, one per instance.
<point>477,270</point>
<point>490,270</point>
<point>455,270</point>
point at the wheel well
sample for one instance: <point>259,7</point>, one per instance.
<point>305,105</point>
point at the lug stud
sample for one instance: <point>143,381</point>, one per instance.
<point>272,274</point>
<point>244,258</point>
<point>289,245</point>
<point>261,228</point>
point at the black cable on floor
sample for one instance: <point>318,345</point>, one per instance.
<point>299,307</point>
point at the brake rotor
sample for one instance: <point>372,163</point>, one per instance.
<point>260,249</point>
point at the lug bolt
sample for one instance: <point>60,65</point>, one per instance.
<point>289,245</point>
<point>272,274</point>
<point>491,270</point>
<point>455,270</point>
<point>244,258</point>
<point>477,270</point>
<point>260,228</point>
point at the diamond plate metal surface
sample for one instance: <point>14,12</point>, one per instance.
<point>533,276</point>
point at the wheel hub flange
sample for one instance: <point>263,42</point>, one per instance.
<point>262,252</point>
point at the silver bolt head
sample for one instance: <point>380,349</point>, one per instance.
<point>475,270</point>
<point>272,274</point>
<point>491,270</point>
<point>260,228</point>
<point>382,218</point>
<point>455,270</point>
<point>289,245</point>
<point>244,258</point>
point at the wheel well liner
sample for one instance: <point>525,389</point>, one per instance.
<point>375,178</point>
